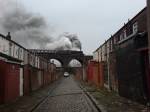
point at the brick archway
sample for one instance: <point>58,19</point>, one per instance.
<point>64,56</point>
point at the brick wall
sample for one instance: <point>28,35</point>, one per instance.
<point>96,73</point>
<point>148,16</point>
<point>33,79</point>
<point>113,72</point>
<point>26,76</point>
<point>79,73</point>
<point>9,81</point>
<point>36,79</point>
<point>142,21</point>
<point>12,82</point>
<point>2,72</point>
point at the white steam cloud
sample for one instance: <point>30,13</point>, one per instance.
<point>31,30</point>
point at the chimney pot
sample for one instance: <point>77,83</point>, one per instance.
<point>8,36</point>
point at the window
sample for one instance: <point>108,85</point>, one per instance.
<point>115,40</point>
<point>121,36</point>
<point>135,27</point>
<point>10,47</point>
<point>125,33</point>
<point>4,48</point>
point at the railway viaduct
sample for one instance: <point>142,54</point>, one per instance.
<point>63,56</point>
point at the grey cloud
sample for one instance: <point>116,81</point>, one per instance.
<point>32,31</point>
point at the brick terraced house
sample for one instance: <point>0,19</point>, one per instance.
<point>124,57</point>
<point>21,71</point>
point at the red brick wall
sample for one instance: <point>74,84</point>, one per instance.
<point>47,77</point>
<point>9,82</point>
<point>31,79</point>
<point>90,72</point>
<point>101,74</point>
<point>142,21</point>
<point>35,79</point>
<point>79,73</point>
<point>96,73</point>
<point>140,18</point>
<point>26,76</point>
<point>12,82</point>
<point>96,78</point>
<point>2,81</point>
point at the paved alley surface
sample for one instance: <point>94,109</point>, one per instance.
<point>67,97</point>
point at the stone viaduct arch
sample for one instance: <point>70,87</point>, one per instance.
<point>64,56</point>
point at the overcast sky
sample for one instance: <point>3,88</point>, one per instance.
<point>92,20</point>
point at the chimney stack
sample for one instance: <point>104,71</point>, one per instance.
<point>8,36</point>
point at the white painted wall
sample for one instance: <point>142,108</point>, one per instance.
<point>100,51</point>
<point>21,81</point>
<point>21,53</point>
<point>4,46</point>
<point>95,56</point>
<point>11,49</point>
<point>25,53</point>
<point>37,62</point>
<point>103,53</point>
<point>16,52</point>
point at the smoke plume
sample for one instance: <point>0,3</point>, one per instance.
<point>31,30</point>
<point>65,41</point>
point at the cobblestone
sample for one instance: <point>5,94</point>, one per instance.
<point>67,97</point>
<point>63,95</point>
<point>27,103</point>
